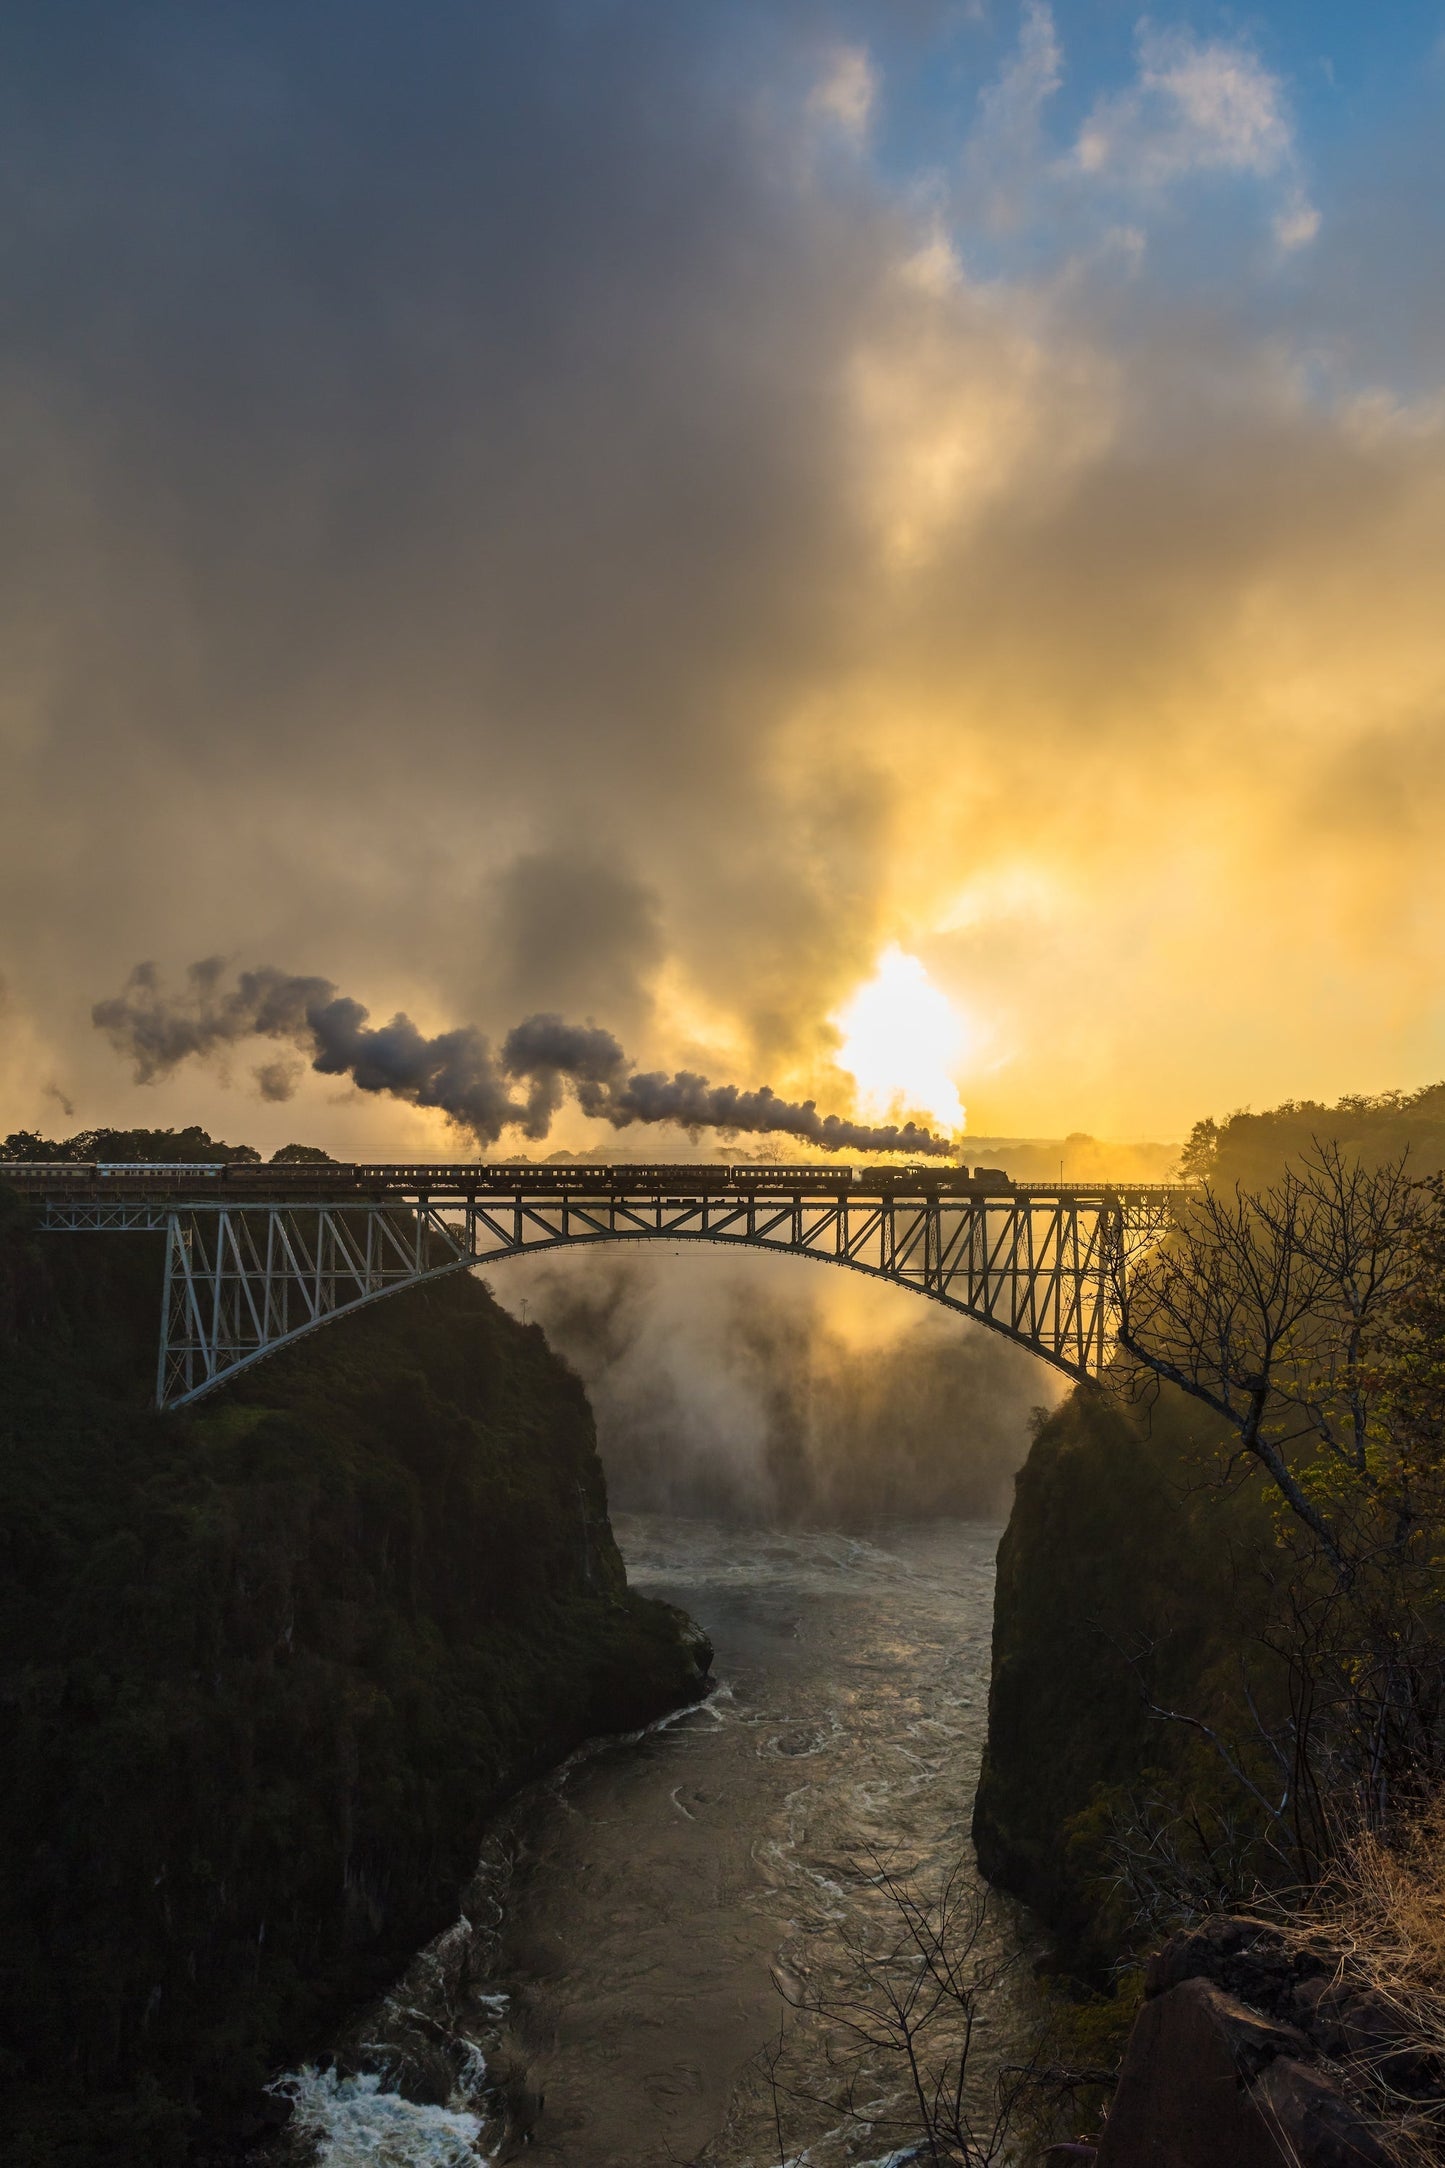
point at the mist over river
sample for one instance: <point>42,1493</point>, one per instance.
<point>615,1974</point>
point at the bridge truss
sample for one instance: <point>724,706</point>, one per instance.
<point>256,1257</point>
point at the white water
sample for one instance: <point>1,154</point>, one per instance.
<point>352,2123</point>
<point>639,1904</point>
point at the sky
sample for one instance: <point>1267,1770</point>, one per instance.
<point>893,551</point>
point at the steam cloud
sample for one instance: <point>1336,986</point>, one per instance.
<point>737,1390</point>
<point>521,1087</point>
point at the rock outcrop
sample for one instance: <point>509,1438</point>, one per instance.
<point>1251,2050</point>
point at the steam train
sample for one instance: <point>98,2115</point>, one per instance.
<point>593,1178</point>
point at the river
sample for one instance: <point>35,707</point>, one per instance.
<point>612,1998</point>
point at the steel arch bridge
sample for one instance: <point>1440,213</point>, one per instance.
<point>258,1256</point>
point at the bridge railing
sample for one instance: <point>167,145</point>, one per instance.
<point>256,1255</point>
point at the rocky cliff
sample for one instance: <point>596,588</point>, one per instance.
<point>264,1668</point>
<point>1135,1580</point>
<point>1125,1583</point>
<point>1140,1589</point>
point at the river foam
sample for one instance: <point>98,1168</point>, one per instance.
<point>352,2123</point>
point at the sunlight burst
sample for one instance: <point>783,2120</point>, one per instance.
<point>902,1041</point>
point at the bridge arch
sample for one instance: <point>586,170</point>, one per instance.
<point>261,1256</point>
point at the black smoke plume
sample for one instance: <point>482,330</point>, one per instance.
<point>482,1092</point>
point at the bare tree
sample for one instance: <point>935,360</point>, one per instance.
<point>1286,1313</point>
<point>901,2015</point>
<point>1273,1310</point>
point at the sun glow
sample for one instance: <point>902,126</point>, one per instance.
<point>902,1041</point>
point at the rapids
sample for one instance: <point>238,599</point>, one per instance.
<point>609,1999</point>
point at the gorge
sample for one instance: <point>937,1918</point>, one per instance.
<point>281,1666</point>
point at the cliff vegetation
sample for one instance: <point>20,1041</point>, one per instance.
<point>265,1666</point>
<point>1219,1661</point>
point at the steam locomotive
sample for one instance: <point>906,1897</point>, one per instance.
<point>319,1179</point>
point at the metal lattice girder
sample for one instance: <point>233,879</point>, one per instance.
<point>1036,1270</point>
<point>243,1278</point>
<point>240,1284</point>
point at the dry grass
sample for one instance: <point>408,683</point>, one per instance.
<point>1378,1922</point>
<point>1384,1908</point>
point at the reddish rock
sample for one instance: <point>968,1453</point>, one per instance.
<point>1314,2122</point>
<point>1246,1957</point>
<point>1184,2098</point>
<point>1204,1952</point>
<point>1366,2031</point>
<point>1209,2083</point>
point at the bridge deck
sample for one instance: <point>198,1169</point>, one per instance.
<point>465,1181</point>
<point>257,1255</point>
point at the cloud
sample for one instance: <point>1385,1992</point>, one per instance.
<point>495,511</point>
<point>1003,158</point>
<point>845,93</point>
<point>1194,108</point>
<point>569,931</point>
<point>1197,108</point>
<point>1297,224</point>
